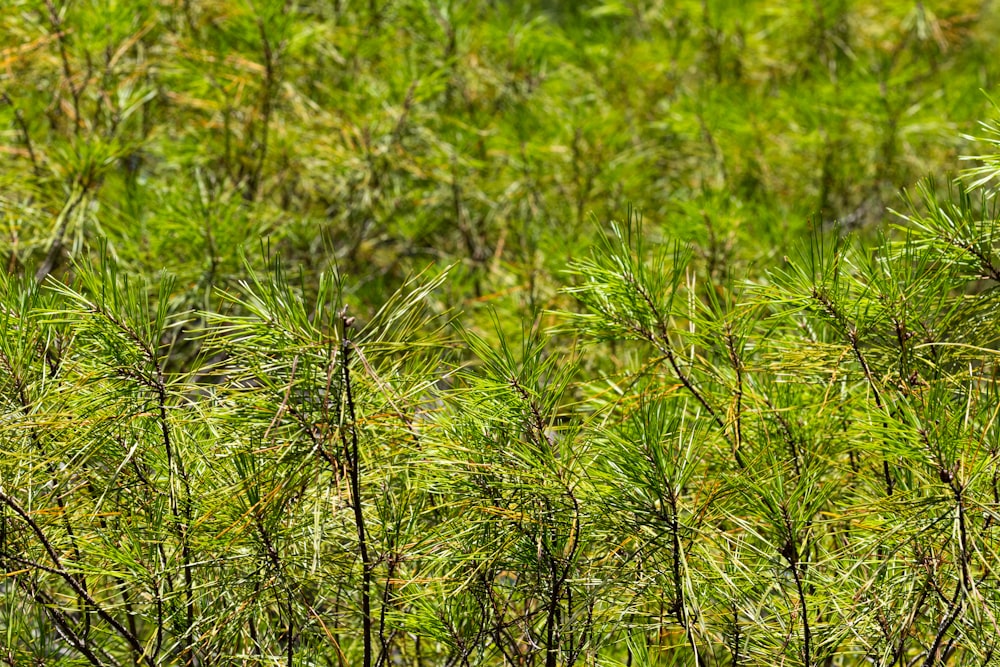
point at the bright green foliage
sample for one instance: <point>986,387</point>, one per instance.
<point>397,133</point>
<point>315,348</point>
<point>802,466</point>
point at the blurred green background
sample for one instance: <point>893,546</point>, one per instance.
<point>389,135</point>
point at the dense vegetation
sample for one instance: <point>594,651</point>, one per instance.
<point>319,344</point>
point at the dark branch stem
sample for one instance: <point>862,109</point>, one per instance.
<point>352,452</point>
<point>58,569</point>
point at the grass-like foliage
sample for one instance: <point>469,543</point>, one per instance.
<point>803,466</point>
<point>329,334</point>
